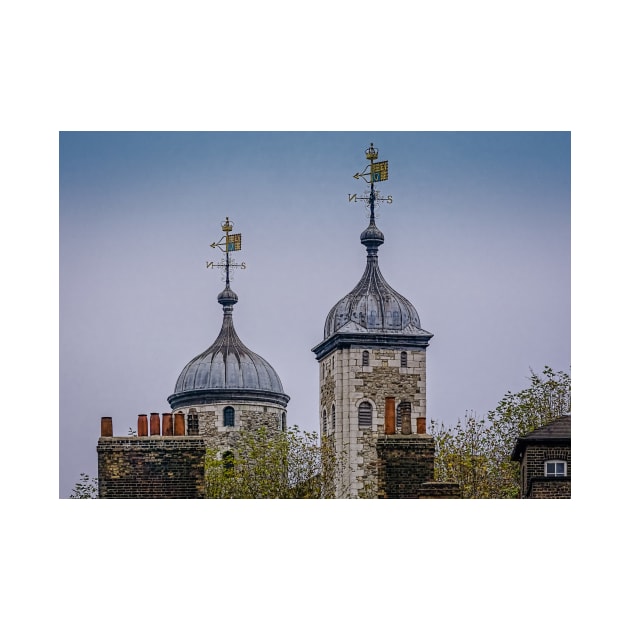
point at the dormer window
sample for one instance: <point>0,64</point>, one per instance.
<point>555,468</point>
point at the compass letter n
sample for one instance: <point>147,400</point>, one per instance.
<point>352,198</point>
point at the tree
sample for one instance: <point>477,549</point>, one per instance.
<point>267,464</point>
<point>85,488</point>
<point>476,454</point>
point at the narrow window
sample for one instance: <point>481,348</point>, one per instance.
<point>366,357</point>
<point>228,417</point>
<point>333,419</point>
<point>365,415</point>
<point>284,421</point>
<point>555,468</point>
<point>193,424</point>
<point>324,423</point>
<point>403,359</point>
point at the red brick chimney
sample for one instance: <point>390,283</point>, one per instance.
<point>155,424</point>
<point>422,425</point>
<point>180,426</point>
<point>167,424</point>
<point>390,416</point>
<point>107,427</point>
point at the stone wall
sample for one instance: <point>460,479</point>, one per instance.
<point>247,417</point>
<point>153,467</point>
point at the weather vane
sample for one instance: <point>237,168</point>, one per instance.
<point>228,243</point>
<point>375,172</point>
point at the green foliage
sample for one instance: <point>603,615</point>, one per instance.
<point>267,464</point>
<point>85,488</point>
<point>476,453</point>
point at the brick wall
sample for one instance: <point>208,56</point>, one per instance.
<point>155,467</point>
<point>406,469</point>
<point>533,472</point>
<point>550,488</point>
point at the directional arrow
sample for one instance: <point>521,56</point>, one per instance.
<point>365,172</point>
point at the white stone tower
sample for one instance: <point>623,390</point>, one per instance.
<point>228,388</point>
<point>373,349</point>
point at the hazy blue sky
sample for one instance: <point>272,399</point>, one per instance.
<point>478,238</point>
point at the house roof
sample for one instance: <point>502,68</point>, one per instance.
<point>557,432</point>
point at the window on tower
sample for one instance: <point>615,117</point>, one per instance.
<point>193,424</point>
<point>228,417</point>
<point>365,415</point>
<point>333,419</point>
<point>324,423</point>
<point>403,359</point>
<point>366,357</point>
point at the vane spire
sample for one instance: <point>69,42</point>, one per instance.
<point>372,237</point>
<point>228,243</point>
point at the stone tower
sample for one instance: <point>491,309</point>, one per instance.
<point>373,350</point>
<point>228,388</point>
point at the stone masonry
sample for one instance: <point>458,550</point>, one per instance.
<point>346,383</point>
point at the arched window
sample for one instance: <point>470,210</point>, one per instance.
<point>324,423</point>
<point>365,415</point>
<point>403,359</point>
<point>366,357</point>
<point>333,419</point>
<point>403,407</point>
<point>228,417</point>
<point>284,421</point>
<point>228,461</point>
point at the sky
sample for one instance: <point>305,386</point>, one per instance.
<point>477,237</point>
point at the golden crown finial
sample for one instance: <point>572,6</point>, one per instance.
<point>371,153</point>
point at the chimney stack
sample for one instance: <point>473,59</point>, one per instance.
<point>155,424</point>
<point>143,426</point>
<point>107,427</point>
<point>167,424</point>
<point>180,426</point>
<point>390,416</point>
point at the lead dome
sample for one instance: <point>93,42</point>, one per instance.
<point>228,369</point>
<point>373,306</point>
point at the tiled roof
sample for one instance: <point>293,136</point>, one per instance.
<point>558,430</point>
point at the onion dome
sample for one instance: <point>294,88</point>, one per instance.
<point>227,370</point>
<point>372,313</point>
